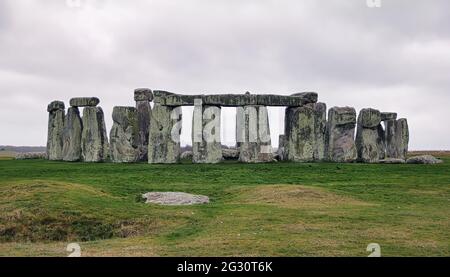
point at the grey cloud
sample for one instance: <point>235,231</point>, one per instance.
<point>393,58</point>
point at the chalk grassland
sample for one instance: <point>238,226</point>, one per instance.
<point>280,209</point>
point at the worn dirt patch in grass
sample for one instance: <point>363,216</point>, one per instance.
<point>295,197</point>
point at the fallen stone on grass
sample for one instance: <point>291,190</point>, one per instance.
<point>174,198</point>
<point>31,156</point>
<point>392,161</point>
<point>424,159</point>
<point>186,155</point>
<point>230,154</point>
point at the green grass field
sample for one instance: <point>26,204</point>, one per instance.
<point>279,209</point>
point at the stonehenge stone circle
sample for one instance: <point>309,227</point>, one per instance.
<point>56,110</point>
<point>370,136</point>
<point>340,142</point>
<point>94,141</point>
<point>73,129</point>
<point>141,133</point>
<point>84,102</point>
<point>253,134</point>
<point>164,137</point>
<point>143,97</point>
<point>124,135</point>
<point>206,144</point>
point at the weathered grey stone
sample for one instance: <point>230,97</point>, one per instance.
<point>186,155</point>
<point>31,156</point>
<point>369,136</point>
<point>84,102</point>
<point>206,145</point>
<point>143,94</point>
<point>299,131</point>
<point>424,159</point>
<point>397,138</point>
<point>340,142</point>
<point>144,112</point>
<point>230,154</point>
<point>305,132</point>
<point>388,116</point>
<point>124,135</point>
<point>253,134</point>
<point>310,97</point>
<point>281,151</point>
<point>55,130</point>
<point>234,100</point>
<point>174,198</point>
<point>164,136</point>
<point>55,105</point>
<point>320,127</point>
<point>73,129</point>
<point>392,161</point>
<point>94,141</point>
<point>369,118</point>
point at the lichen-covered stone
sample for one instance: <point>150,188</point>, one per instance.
<point>55,131</point>
<point>55,106</point>
<point>124,135</point>
<point>300,134</point>
<point>164,136</point>
<point>320,127</point>
<point>144,112</point>
<point>206,145</point>
<point>230,154</point>
<point>235,100</point>
<point>84,102</point>
<point>340,138</point>
<point>392,161</point>
<point>305,133</point>
<point>94,140</point>
<point>388,116</point>
<point>143,94</point>
<point>186,155</point>
<point>73,129</point>
<point>424,159</point>
<point>397,138</point>
<point>369,136</point>
<point>281,151</point>
<point>253,134</point>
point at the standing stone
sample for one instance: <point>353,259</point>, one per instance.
<point>320,127</point>
<point>73,129</point>
<point>253,134</point>
<point>206,145</point>
<point>143,97</point>
<point>124,135</point>
<point>397,138</point>
<point>164,136</point>
<point>281,152</point>
<point>94,141</point>
<point>305,132</point>
<point>369,136</point>
<point>55,143</point>
<point>340,138</point>
<point>299,131</point>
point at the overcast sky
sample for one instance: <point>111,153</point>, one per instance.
<point>393,58</point>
